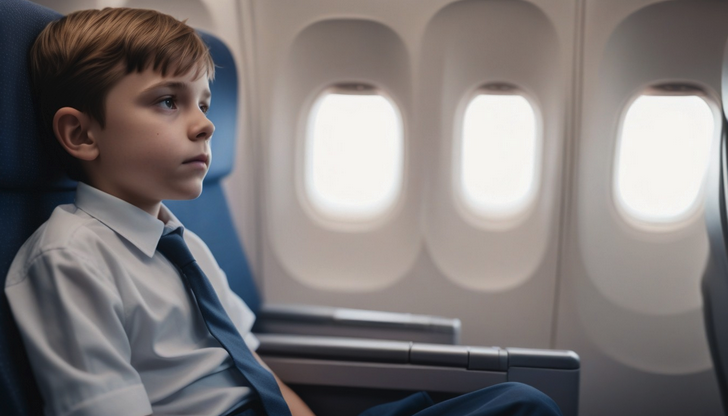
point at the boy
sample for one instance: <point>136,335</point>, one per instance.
<point>122,311</point>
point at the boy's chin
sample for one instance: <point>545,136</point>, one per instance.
<point>187,194</point>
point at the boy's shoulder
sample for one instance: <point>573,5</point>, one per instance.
<point>68,230</point>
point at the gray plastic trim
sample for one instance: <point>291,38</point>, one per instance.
<point>381,375</point>
<point>359,317</point>
<point>538,358</point>
<point>354,331</point>
<point>487,358</point>
<point>385,351</point>
<point>332,348</point>
<point>437,354</point>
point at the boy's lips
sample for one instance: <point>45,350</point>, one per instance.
<point>202,158</point>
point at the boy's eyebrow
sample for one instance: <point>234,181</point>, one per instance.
<point>175,85</point>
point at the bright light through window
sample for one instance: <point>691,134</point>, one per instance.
<point>354,156</point>
<point>662,156</point>
<point>498,155</point>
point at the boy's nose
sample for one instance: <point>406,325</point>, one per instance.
<point>203,129</point>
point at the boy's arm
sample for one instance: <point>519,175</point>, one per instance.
<point>71,319</point>
<point>240,314</point>
<point>297,406</point>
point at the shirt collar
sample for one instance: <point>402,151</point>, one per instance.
<point>125,219</point>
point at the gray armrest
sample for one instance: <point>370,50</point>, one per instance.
<point>343,322</point>
<point>399,365</point>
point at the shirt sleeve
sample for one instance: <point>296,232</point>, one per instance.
<point>71,319</point>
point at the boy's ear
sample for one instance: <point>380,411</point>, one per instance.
<point>72,129</point>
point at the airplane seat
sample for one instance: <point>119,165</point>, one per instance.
<point>30,187</point>
<point>335,373</point>
<point>715,279</point>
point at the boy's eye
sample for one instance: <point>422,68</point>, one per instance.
<point>205,108</point>
<point>168,103</point>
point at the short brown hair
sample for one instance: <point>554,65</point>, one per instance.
<point>76,60</point>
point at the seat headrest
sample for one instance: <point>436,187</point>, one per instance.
<point>24,164</point>
<point>224,108</point>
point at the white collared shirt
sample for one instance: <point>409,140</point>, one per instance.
<point>107,322</point>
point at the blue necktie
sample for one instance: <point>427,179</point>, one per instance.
<point>173,247</point>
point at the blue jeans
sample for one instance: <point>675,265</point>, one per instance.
<point>506,399</point>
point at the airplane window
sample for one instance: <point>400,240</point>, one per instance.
<point>353,154</point>
<point>662,155</point>
<point>498,154</point>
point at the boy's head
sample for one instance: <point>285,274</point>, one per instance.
<point>77,61</point>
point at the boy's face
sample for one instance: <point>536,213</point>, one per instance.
<point>156,142</point>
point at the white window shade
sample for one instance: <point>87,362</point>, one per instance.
<point>662,157</point>
<point>499,155</point>
<point>354,155</point>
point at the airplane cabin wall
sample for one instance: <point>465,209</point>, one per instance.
<point>630,297</point>
<point>571,272</point>
<point>424,257</point>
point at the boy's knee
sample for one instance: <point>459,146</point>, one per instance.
<point>526,400</point>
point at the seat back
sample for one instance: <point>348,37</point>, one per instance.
<point>715,279</point>
<point>31,185</point>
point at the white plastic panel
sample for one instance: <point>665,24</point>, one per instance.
<point>630,298</point>
<point>492,255</point>
<point>316,251</point>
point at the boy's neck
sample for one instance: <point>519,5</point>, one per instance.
<point>151,207</point>
<point>152,210</point>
